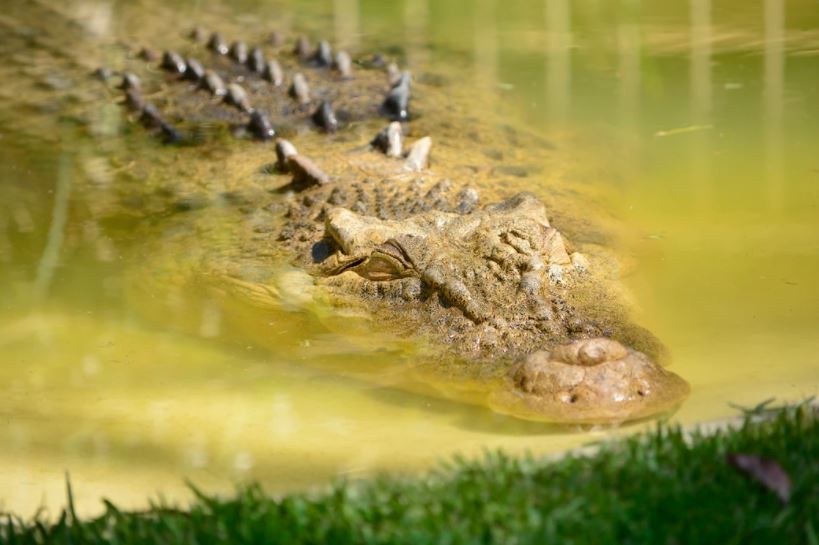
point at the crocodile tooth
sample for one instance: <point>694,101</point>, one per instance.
<point>343,64</point>
<point>173,62</point>
<point>325,117</point>
<point>302,49</point>
<point>217,44</point>
<point>130,81</point>
<point>324,54</point>
<point>213,83</point>
<point>299,89</point>
<point>193,70</point>
<point>418,156</point>
<point>260,127</point>
<point>238,52</point>
<point>396,103</point>
<point>236,96</point>
<point>273,73</point>
<point>388,140</point>
<point>305,172</point>
<point>284,150</point>
<point>256,60</point>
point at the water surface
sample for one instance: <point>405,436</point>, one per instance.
<point>698,121</point>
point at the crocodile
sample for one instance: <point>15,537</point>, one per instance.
<point>370,189</point>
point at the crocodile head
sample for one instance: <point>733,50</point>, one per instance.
<point>492,265</point>
<point>500,283</point>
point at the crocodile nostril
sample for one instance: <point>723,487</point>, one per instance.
<point>641,393</point>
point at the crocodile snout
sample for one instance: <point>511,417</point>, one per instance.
<point>591,381</point>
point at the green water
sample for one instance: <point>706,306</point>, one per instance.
<point>698,122</point>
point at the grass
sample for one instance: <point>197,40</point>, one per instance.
<point>665,486</point>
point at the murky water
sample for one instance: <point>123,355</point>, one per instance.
<point>700,121</point>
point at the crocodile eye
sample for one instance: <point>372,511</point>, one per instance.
<point>389,261</point>
<point>381,267</point>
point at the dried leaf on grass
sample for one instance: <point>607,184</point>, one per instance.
<point>764,470</point>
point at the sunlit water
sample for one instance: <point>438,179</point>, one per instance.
<point>704,120</point>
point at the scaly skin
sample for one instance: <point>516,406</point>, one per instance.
<point>517,289</point>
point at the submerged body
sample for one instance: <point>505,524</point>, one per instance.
<point>430,239</point>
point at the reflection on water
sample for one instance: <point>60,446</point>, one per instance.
<point>51,253</point>
<point>628,67</point>
<point>774,90</point>
<point>558,59</point>
<point>702,123</point>
<point>701,100</point>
